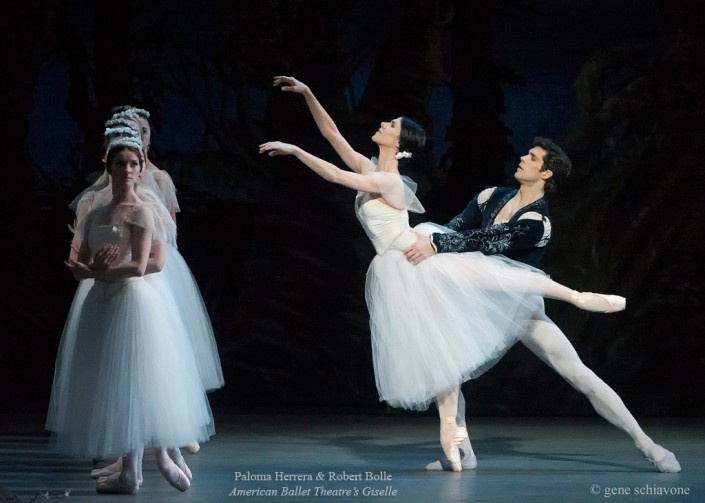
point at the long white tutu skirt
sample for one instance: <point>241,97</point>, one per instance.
<point>127,375</point>
<point>446,320</point>
<point>194,315</point>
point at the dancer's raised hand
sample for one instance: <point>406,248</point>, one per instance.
<point>290,84</point>
<point>273,148</point>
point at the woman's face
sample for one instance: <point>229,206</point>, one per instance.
<point>388,133</point>
<point>125,168</point>
<point>145,132</point>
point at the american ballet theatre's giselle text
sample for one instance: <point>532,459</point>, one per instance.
<point>319,484</point>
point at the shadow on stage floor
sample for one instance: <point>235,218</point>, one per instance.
<point>359,457</point>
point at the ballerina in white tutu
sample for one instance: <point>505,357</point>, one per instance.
<point>156,185</point>
<point>119,393</point>
<point>447,320</point>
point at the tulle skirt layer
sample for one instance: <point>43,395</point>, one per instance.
<point>444,321</point>
<point>125,374</point>
<point>194,315</point>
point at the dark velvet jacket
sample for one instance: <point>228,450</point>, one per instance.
<point>521,239</point>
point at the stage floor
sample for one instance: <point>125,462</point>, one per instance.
<point>357,457</point>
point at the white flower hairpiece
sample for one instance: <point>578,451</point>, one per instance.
<point>112,132</point>
<point>402,155</point>
<point>126,108</point>
<point>118,122</point>
<point>127,114</point>
<point>124,141</point>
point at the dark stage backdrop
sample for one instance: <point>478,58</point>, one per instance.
<point>277,252</point>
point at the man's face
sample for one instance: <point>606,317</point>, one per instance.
<point>529,169</point>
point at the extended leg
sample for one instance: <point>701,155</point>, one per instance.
<point>547,341</point>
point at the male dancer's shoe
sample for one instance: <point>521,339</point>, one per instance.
<point>665,464</point>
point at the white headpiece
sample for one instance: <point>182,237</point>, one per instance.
<point>402,155</point>
<point>129,108</point>
<point>124,141</point>
<point>113,132</point>
<point>115,121</point>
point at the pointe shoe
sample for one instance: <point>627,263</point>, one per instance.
<point>467,462</point>
<point>102,463</point>
<point>179,461</point>
<point>116,467</point>
<point>116,475</point>
<point>192,447</point>
<point>175,476</point>
<point>451,437</point>
<point>598,302</point>
<point>667,464</point>
<point>117,483</point>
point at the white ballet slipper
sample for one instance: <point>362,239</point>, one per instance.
<point>598,302</point>
<point>665,464</point>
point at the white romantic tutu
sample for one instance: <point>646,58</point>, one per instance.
<point>446,320</point>
<point>194,315</point>
<point>176,273</point>
<point>126,377</point>
<point>442,322</point>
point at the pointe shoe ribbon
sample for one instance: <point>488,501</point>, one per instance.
<point>451,437</point>
<point>598,302</point>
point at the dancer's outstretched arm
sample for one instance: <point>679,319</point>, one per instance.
<point>322,168</point>
<point>354,160</point>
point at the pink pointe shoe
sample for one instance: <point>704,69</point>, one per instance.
<point>118,483</point>
<point>107,471</point>
<point>467,462</point>
<point>451,437</point>
<point>174,475</point>
<point>598,302</point>
<point>192,447</point>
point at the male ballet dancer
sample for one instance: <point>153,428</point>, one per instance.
<point>516,223</point>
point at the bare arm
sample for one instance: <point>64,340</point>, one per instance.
<point>352,159</point>
<point>322,168</point>
<point>141,244</point>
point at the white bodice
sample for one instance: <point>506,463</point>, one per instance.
<point>101,235</point>
<point>387,227</point>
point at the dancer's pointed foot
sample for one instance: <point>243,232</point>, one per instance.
<point>138,478</point>
<point>467,462</point>
<point>116,467</point>
<point>663,459</point>
<point>452,436</point>
<point>175,455</point>
<point>118,483</point>
<point>192,447</point>
<point>174,475</point>
<point>598,302</point>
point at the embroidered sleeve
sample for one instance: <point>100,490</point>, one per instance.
<point>471,217</point>
<point>524,233</point>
